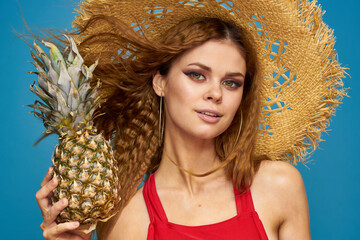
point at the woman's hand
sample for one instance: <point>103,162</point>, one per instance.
<point>52,230</point>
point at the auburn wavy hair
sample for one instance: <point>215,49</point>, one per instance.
<point>129,114</point>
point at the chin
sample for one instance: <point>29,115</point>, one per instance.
<point>208,133</point>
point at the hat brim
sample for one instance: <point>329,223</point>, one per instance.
<point>302,77</point>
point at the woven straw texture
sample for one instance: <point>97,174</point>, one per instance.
<point>302,77</point>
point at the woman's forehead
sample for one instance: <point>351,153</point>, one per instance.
<point>214,53</point>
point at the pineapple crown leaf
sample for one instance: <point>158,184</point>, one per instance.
<point>42,95</point>
<point>68,100</point>
<point>57,59</point>
<point>45,110</point>
<point>43,56</point>
<point>42,137</point>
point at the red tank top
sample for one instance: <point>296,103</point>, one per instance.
<point>245,225</point>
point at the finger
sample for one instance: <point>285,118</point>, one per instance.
<point>43,194</point>
<point>47,177</point>
<point>58,229</point>
<point>42,226</point>
<point>53,212</point>
<point>81,234</point>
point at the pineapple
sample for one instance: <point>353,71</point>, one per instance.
<point>83,160</point>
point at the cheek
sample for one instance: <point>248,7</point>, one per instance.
<point>233,103</point>
<point>181,92</point>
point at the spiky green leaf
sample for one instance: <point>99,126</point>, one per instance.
<point>62,106</point>
<point>42,95</point>
<point>42,55</point>
<point>56,57</point>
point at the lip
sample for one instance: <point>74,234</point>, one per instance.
<point>207,118</point>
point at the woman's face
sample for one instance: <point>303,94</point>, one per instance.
<point>203,89</point>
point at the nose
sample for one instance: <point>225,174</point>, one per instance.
<point>214,92</point>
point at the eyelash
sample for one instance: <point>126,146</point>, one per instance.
<point>191,75</point>
<point>234,84</point>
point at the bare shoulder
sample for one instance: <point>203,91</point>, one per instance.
<point>280,180</point>
<point>133,221</point>
<point>279,194</point>
<point>279,176</point>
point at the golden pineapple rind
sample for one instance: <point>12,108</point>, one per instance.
<point>88,178</point>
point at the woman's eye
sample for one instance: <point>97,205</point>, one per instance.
<point>231,84</point>
<point>195,75</point>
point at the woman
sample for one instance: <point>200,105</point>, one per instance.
<point>186,111</point>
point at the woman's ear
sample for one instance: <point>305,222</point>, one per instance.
<point>159,84</point>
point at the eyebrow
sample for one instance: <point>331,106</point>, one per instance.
<point>231,74</point>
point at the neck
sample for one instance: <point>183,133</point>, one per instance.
<point>195,155</point>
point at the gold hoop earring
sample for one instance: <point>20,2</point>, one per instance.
<point>238,134</point>
<point>161,123</point>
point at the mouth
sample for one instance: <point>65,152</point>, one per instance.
<point>209,116</point>
<point>209,112</point>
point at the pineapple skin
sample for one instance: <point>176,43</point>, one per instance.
<point>88,178</point>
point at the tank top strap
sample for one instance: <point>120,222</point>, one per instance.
<point>244,202</point>
<point>152,201</point>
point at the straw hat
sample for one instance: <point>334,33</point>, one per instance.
<point>302,85</point>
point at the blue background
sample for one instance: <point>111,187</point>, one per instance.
<point>332,183</point>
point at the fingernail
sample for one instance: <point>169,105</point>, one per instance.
<point>50,170</point>
<point>63,201</point>
<point>75,224</point>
